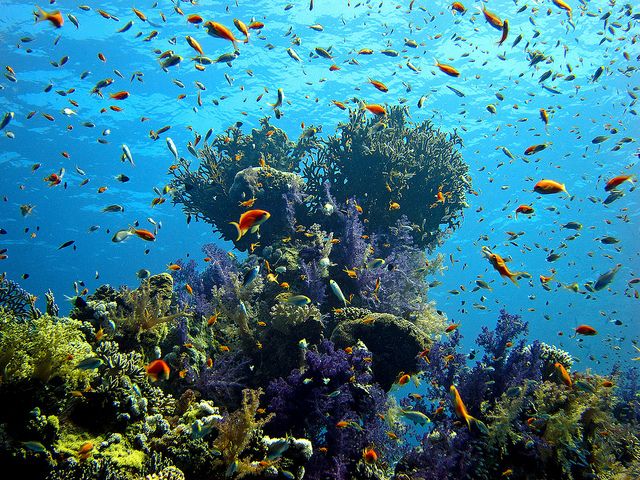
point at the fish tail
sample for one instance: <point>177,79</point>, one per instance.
<point>246,40</point>
<point>235,44</point>
<point>240,232</point>
<point>40,14</point>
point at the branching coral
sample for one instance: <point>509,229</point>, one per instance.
<point>406,165</point>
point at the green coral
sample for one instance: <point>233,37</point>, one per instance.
<point>43,349</point>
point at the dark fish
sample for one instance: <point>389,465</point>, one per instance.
<point>456,91</point>
<point>600,139</point>
<point>66,244</point>
<point>606,278</point>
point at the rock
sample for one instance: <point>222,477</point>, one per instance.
<point>393,341</point>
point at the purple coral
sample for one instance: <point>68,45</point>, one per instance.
<point>333,402</point>
<point>223,382</point>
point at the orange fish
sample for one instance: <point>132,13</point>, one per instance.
<point>404,379</point>
<point>189,289</point>
<point>195,19</point>
<point>139,14</point>
<point>174,267</point>
<point>448,69</point>
<point>119,95</point>
<point>499,264</point>
<point>458,7</point>
<point>564,6</point>
<point>461,410</point>
<point>492,18</point>
<point>526,209</point>
<point>242,28</point>
<point>250,221</point>
<point>451,327</point>
<point>54,17</point>
<point>218,30</point>
<point>338,104</point>
<point>379,85</point>
<point>585,330</point>
<point>375,109</point>
<point>370,456</point>
<point>566,378</point>
<point>256,25</point>
<point>193,43</point>
<point>144,234</point>
<point>158,370</point>
<point>334,67</point>
<point>545,187</point>
<point>615,181</point>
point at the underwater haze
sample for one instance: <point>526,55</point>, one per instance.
<point>325,239</point>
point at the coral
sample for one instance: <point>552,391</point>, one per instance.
<point>223,381</point>
<point>333,402</point>
<point>168,473</point>
<point>43,349</point>
<point>238,429</point>
<point>393,341</point>
<point>228,173</point>
<point>406,164</point>
<point>15,300</point>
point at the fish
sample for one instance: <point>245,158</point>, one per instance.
<point>239,24</point>
<point>374,108</point>
<point>298,300</point>
<point>280,99</point>
<point>6,120</point>
<point>492,18</point>
<point>564,375</point>
<point>335,288</point>
<point>172,148</point>
<point>611,183</point>
<point>121,235</point>
<point>448,69</point>
<point>220,31</point>
<point>524,209</point>
<point>379,85</point>
<point>369,456</point>
<point>606,278</point>
<point>193,43</point>
<point>546,187</point>
<point>417,417</point>
<point>585,330</point>
<point>66,244</point>
<point>505,32</point>
<point>143,273</point>
<point>250,276</point>
<point>127,154</point>
<point>158,370</point>
<point>113,208</point>
<point>55,18</point>
<point>536,148</point>
<point>500,266</point>
<point>250,221</point>
<point>90,363</point>
<point>461,411</point>
<point>143,234</point>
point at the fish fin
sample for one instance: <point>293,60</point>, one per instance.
<point>246,40</point>
<point>237,225</point>
<point>40,14</point>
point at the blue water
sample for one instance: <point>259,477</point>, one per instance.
<point>580,111</point>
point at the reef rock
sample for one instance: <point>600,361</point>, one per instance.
<point>393,341</point>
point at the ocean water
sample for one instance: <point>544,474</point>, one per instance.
<point>580,110</point>
<point>494,104</point>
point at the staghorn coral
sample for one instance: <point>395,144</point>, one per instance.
<point>407,164</point>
